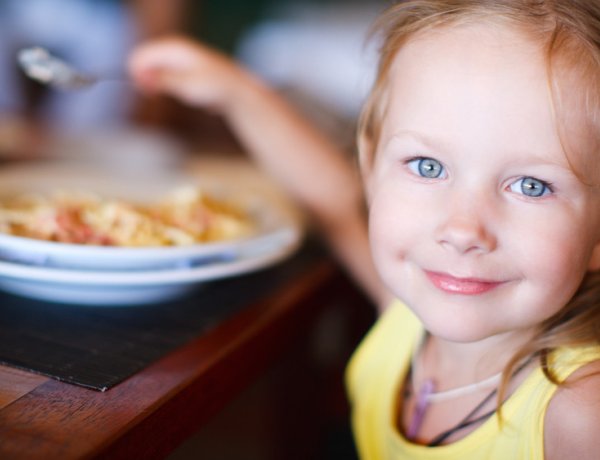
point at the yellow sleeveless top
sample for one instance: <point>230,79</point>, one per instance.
<point>379,367</point>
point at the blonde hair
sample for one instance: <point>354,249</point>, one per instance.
<point>569,33</point>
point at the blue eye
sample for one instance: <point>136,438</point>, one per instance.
<point>531,187</point>
<point>427,167</point>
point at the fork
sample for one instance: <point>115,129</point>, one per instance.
<point>40,65</point>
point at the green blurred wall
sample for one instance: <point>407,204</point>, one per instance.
<point>222,22</point>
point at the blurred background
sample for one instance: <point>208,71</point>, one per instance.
<point>314,52</point>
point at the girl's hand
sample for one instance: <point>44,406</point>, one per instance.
<point>187,70</point>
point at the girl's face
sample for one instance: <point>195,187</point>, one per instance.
<point>477,221</point>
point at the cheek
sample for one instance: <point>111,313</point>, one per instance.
<point>395,224</point>
<point>388,235</point>
<point>382,224</point>
<point>553,259</point>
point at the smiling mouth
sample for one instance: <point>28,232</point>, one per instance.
<point>464,286</point>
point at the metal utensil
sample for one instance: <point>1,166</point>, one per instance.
<point>38,64</point>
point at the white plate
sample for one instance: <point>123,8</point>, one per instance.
<point>94,275</point>
<point>137,287</point>
<point>270,217</point>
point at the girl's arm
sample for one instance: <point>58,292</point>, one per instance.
<point>309,166</point>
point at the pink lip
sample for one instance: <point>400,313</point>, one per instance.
<point>464,286</point>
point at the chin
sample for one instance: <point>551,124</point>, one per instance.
<point>458,329</point>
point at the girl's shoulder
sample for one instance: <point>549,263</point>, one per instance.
<point>395,328</point>
<point>572,421</point>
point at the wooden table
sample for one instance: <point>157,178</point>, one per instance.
<point>152,412</point>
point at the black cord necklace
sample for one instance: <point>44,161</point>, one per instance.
<point>467,421</point>
<point>471,418</point>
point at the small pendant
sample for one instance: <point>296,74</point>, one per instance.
<point>422,403</point>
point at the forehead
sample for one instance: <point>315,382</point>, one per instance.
<point>483,87</point>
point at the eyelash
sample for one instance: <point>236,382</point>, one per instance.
<point>416,163</point>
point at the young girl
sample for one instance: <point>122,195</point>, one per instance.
<point>478,152</point>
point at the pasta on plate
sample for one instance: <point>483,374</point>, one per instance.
<point>185,216</point>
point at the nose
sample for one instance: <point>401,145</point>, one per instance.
<point>467,227</point>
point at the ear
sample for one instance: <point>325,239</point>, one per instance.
<point>594,263</point>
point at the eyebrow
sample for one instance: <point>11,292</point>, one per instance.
<point>436,145</point>
<point>420,138</point>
